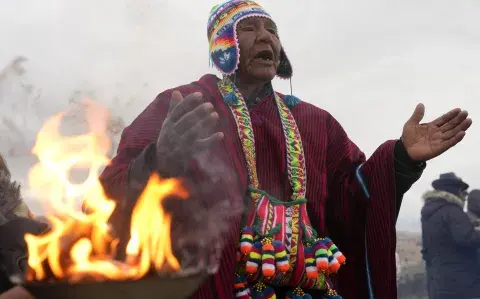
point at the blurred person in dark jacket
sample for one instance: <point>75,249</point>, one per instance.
<point>450,242</point>
<point>473,208</point>
<point>15,221</point>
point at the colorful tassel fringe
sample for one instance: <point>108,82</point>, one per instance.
<point>335,251</point>
<point>321,256</point>
<point>262,291</point>
<point>246,240</point>
<point>328,257</point>
<point>298,294</point>
<point>241,289</point>
<point>268,258</point>
<point>333,264</point>
<point>240,282</point>
<point>254,259</point>
<point>310,266</point>
<point>271,254</point>
<point>281,258</point>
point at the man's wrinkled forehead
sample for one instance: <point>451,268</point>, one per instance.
<point>268,22</point>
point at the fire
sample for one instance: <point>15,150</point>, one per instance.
<point>81,246</point>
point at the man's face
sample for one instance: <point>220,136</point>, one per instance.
<point>259,49</point>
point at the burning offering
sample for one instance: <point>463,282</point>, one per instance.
<point>76,258</point>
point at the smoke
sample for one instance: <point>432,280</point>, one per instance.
<point>201,223</point>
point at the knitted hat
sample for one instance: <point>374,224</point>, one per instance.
<point>222,36</point>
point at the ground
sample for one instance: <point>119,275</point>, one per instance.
<point>411,280</point>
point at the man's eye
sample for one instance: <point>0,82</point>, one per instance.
<point>273,31</point>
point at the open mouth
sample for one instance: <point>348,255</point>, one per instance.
<point>264,56</point>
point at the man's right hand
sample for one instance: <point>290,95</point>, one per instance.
<point>190,127</point>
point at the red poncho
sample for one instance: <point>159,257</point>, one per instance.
<point>337,204</point>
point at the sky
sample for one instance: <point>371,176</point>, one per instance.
<point>366,62</point>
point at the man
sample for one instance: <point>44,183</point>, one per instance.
<point>272,143</point>
<point>450,243</point>
<point>473,208</point>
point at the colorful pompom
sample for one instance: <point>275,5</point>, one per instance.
<point>291,101</point>
<point>268,258</point>
<point>262,291</point>
<point>335,251</point>
<point>310,266</point>
<point>281,257</point>
<point>333,264</point>
<point>321,256</point>
<point>246,240</point>
<point>240,282</point>
<point>241,288</point>
<point>254,259</point>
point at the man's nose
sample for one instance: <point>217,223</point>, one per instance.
<point>264,35</point>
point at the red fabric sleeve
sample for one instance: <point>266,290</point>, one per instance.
<point>135,153</point>
<point>207,185</point>
<point>360,216</point>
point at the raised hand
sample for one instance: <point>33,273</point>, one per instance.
<point>425,141</point>
<point>190,127</point>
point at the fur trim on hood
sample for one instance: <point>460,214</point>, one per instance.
<point>11,203</point>
<point>449,197</point>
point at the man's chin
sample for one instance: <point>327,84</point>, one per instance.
<point>264,75</point>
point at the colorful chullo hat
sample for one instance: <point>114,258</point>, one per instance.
<point>222,36</point>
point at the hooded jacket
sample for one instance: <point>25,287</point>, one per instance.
<point>450,246</point>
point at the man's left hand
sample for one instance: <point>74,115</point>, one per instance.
<point>425,141</point>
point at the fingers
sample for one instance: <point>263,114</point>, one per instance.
<point>452,141</point>
<point>462,127</point>
<point>193,117</point>
<point>176,98</point>
<point>446,117</point>
<point>455,135</point>
<point>454,122</point>
<point>418,114</point>
<point>185,105</point>
<point>202,129</point>
<point>207,142</point>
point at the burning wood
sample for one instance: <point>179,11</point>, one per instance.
<point>81,247</point>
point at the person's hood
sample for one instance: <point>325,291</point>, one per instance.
<point>11,203</point>
<point>434,200</point>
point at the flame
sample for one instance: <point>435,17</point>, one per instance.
<point>81,246</point>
